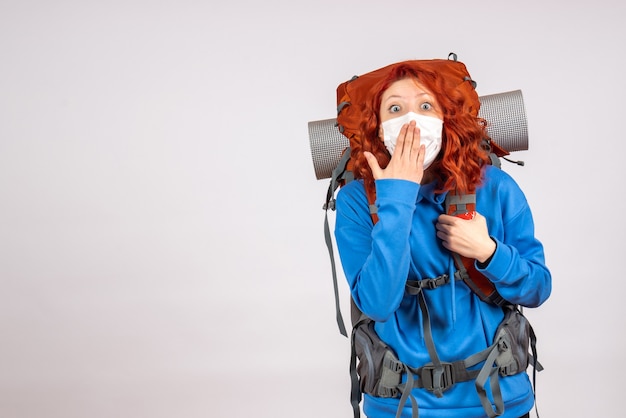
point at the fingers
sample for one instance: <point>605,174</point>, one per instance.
<point>417,149</point>
<point>453,225</point>
<point>448,232</point>
<point>408,143</point>
<point>373,163</point>
<point>446,219</point>
<point>407,159</point>
<point>468,237</point>
<point>444,227</point>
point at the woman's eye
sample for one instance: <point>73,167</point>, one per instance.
<point>426,106</point>
<point>394,108</point>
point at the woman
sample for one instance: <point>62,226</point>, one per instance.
<point>419,139</point>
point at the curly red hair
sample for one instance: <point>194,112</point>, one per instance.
<point>459,165</point>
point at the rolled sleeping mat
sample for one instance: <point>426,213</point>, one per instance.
<point>506,125</point>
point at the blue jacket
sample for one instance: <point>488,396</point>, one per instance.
<point>378,260</point>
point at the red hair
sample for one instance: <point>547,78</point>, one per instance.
<point>459,164</point>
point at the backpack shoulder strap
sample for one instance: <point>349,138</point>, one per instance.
<point>463,206</point>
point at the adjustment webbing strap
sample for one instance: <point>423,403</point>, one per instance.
<point>430,346</point>
<point>491,372</point>
<point>406,394</point>
<point>329,244</point>
<point>338,173</point>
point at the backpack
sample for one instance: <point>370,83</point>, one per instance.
<point>378,370</point>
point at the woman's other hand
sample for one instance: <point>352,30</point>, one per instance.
<point>467,237</point>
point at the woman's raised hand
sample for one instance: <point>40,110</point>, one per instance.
<point>407,161</point>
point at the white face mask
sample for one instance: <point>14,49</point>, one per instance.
<point>430,133</point>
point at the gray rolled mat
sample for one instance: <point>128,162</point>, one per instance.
<point>504,113</point>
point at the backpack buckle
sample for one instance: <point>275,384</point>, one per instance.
<point>329,205</point>
<point>437,281</point>
<point>437,379</point>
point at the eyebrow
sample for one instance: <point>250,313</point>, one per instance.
<point>397,96</point>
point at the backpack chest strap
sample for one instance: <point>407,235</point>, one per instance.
<point>413,287</point>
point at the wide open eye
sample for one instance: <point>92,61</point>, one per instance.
<point>426,106</point>
<point>394,108</point>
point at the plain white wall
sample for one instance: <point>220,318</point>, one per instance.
<point>161,245</point>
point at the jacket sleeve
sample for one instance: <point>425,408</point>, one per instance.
<point>518,267</point>
<point>376,259</point>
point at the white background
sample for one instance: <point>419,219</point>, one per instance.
<point>161,241</point>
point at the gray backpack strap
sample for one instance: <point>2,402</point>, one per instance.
<point>406,394</point>
<point>460,201</point>
<point>339,173</point>
<point>488,371</point>
<point>439,384</point>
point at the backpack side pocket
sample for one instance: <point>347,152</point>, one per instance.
<point>378,368</point>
